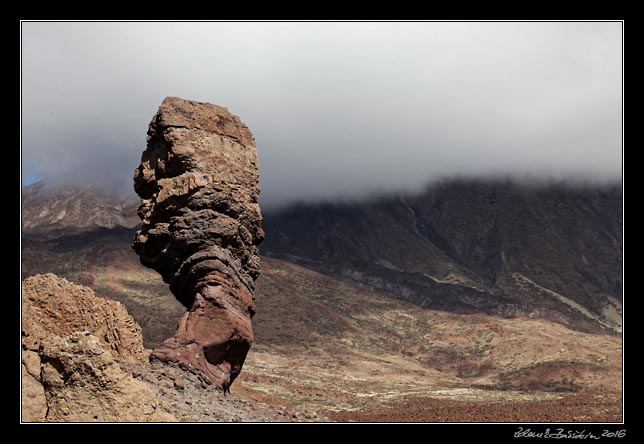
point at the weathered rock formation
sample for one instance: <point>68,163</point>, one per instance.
<point>73,343</point>
<point>198,183</point>
<point>55,306</point>
<point>83,382</point>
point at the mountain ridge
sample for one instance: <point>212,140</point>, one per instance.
<point>50,208</point>
<point>496,247</point>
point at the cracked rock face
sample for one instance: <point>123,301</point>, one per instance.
<point>73,345</point>
<point>198,183</point>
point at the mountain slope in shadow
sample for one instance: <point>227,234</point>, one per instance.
<point>496,247</point>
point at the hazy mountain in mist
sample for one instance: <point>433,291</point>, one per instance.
<point>466,246</point>
<point>551,251</point>
<point>51,207</point>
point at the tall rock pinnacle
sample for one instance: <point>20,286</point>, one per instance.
<point>198,183</point>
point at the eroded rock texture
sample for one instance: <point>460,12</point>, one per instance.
<point>83,382</point>
<point>54,306</point>
<point>73,344</point>
<point>198,183</point>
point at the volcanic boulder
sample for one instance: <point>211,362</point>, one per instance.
<point>54,306</point>
<point>198,183</point>
<point>73,346</point>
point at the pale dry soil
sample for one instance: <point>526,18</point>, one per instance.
<point>191,399</point>
<point>347,353</point>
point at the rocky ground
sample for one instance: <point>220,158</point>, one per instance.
<point>350,354</point>
<point>329,350</point>
<point>566,408</point>
<point>191,399</point>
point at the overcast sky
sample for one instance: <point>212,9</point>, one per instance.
<point>337,109</point>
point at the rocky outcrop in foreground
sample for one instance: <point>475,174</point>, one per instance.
<point>73,343</point>
<point>198,183</point>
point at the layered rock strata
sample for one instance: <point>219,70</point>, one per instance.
<point>198,183</point>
